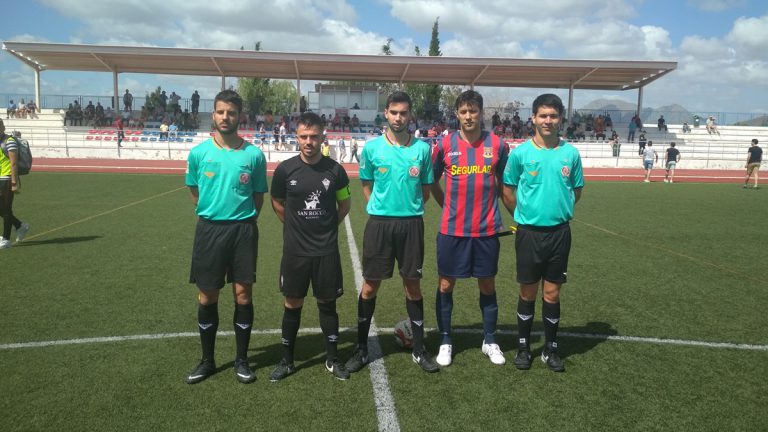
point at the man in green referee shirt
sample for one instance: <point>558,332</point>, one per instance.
<point>227,177</point>
<point>542,182</point>
<point>396,172</point>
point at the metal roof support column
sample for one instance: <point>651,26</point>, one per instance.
<point>37,89</point>
<point>639,100</point>
<point>298,86</point>
<point>115,103</point>
<point>570,104</point>
<point>223,83</point>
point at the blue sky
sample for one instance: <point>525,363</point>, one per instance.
<point>721,46</point>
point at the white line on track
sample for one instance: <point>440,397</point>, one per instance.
<point>382,394</point>
<point>386,330</point>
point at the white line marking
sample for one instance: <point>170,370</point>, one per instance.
<point>650,340</point>
<point>382,395</point>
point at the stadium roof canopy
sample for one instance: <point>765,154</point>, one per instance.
<point>469,71</point>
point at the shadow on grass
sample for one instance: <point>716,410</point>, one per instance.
<point>57,240</point>
<point>581,339</point>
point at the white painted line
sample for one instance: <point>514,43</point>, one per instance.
<point>382,394</point>
<point>650,340</point>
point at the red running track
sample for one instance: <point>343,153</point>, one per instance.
<point>177,167</point>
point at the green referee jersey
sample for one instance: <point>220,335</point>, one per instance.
<point>398,174</point>
<point>545,180</point>
<point>226,179</point>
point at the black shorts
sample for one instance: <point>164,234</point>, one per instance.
<point>224,249</point>
<point>387,239</point>
<point>323,272</point>
<point>542,253</point>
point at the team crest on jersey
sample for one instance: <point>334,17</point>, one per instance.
<point>209,174</point>
<point>414,171</point>
<point>326,183</point>
<point>293,182</point>
<point>245,178</point>
<point>383,170</point>
<point>488,153</point>
<point>565,171</point>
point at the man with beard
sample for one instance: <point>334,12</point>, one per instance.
<point>310,195</point>
<point>396,172</point>
<point>472,161</point>
<point>227,178</point>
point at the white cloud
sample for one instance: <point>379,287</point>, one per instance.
<point>750,37</point>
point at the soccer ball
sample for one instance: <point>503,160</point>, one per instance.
<point>404,334</point>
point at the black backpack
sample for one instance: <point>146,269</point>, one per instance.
<point>24,160</point>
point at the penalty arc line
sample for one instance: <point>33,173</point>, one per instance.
<point>103,213</point>
<point>382,394</point>
<point>595,336</point>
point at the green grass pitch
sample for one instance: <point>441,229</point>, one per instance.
<point>108,255</point>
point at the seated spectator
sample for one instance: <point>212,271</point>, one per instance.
<point>11,113</point>
<point>686,127</point>
<point>354,122</point>
<point>68,115</point>
<point>608,122</point>
<point>356,106</point>
<point>89,113</point>
<point>32,108</point>
<point>570,132</point>
<point>21,109</point>
<point>599,127</point>
<point>711,126</point>
<point>173,131</point>
<point>662,124</point>
<point>164,130</point>
<point>109,116</point>
<point>98,115</point>
<point>77,114</point>
<point>580,132</point>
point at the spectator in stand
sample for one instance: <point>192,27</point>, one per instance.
<point>711,126</point>
<point>378,120</point>
<point>78,114</point>
<point>283,131</point>
<point>89,113</point>
<point>11,112</point>
<point>673,157</point>
<point>356,106</point>
<point>599,127</point>
<point>195,102</point>
<point>175,106</point>
<point>163,101</point>
<point>354,122</point>
<point>98,115</point>
<point>173,131</point>
<point>68,116</point>
<point>109,116</point>
<point>570,132</point>
<point>495,119</point>
<point>276,136</point>
<point>164,129</point>
<point>686,127</point>
<point>615,144</point>
<point>632,129</point>
<point>120,132</point>
<point>642,141</point>
<point>326,148</point>
<point>32,108</point>
<point>662,124</point>
<point>21,109</point>
<point>608,121</point>
<point>638,122</point>
<point>127,101</point>
<point>754,159</point>
<point>580,134</point>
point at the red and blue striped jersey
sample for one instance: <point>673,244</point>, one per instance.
<point>472,180</point>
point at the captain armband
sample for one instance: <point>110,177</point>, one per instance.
<point>343,193</point>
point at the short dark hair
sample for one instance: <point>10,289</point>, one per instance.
<point>550,100</point>
<point>309,119</point>
<point>754,141</point>
<point>672,144</point>
<point>229,96</point>
<point>650,143</point>
<point>399,97</point>
<point>469,97</point>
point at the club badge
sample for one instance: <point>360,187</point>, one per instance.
<point>414,171</point>
<point>565,171</point>
<point>245,178</point>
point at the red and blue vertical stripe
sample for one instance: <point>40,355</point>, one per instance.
<point>472,174</point>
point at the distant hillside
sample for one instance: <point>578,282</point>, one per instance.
<point>757,121</point>
<point>622,112</point>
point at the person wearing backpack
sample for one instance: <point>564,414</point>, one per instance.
<point>9,186</point>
